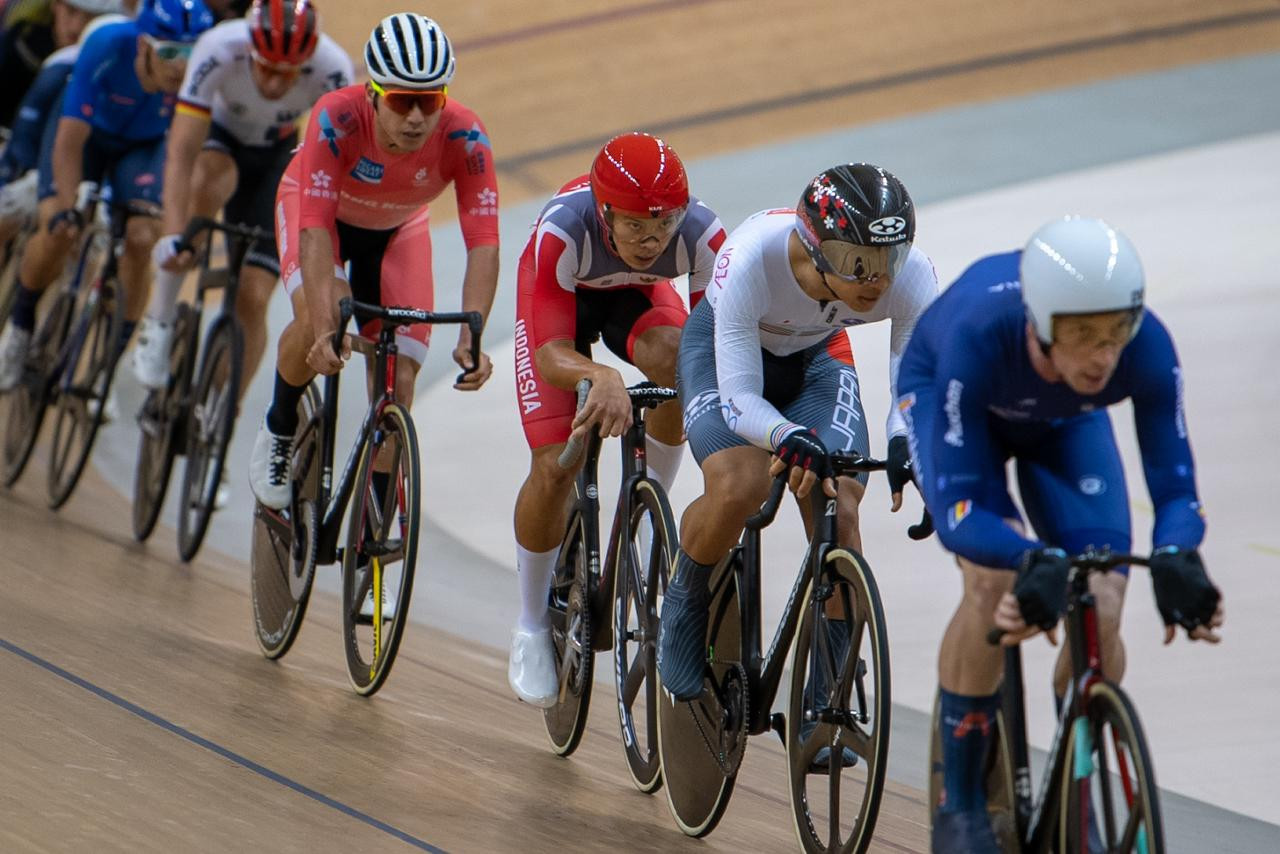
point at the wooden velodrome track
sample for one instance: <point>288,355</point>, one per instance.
<point>136,713</point>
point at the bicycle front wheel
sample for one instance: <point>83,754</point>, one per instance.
<point>209,424</point>
<point>838,709</point>
<point>644,562</point>
<point>382,548</point>
<point>158,424</point>
<point>29,401</point>
<point>1109,797</point>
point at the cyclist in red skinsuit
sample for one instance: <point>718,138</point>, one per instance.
<point>357,191</point>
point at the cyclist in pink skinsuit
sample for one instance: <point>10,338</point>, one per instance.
<point>357,191</point>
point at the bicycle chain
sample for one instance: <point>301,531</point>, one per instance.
<point>727,760</point>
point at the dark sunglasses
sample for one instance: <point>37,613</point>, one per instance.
<point>402,101</point>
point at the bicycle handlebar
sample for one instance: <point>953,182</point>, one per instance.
<point>645,395</point>
<point>200,224</point>
<point>1091,560</point>
<point>399,316</point>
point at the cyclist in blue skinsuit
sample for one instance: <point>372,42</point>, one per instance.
<point>1020,358</point>
<point>115,113</point>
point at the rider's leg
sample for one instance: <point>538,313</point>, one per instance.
<point>140,236</point>
<point>256,287</point>
<point>42,260</point>
<point>653,343</point>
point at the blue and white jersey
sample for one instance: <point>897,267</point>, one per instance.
<point>969,357</point>
<point>105,91</point>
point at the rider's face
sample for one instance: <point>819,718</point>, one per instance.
<point>273,81</point>
<point>1087,347</point>
<point>641,240</point>
<point>859,294</point>
<point>166,74</point>
<point>68,23</point>
<point>402,132</point>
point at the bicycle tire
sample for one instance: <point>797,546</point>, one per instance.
<point>847,576</point>
<point>280,574</point>
<point>90,371</point>
<point>698,790</point>
<point>158,423</point>
<point>569,606</point>
<point>371,646</point>
<point>639,580</point>
<point>1090,772</point>
<point>28,402</point>
<point>210,421</point>
<point>9,270</point>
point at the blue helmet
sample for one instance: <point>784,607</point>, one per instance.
<point>174,20</point>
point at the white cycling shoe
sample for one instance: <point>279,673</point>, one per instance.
<point>389,603</point>
<point>531,669</point>
<point>269,468</point>
<point>14,343</point>
<point>151,355</point>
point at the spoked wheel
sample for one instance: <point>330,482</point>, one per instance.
<point>837,731</point>
<point>701,742</point>
<point>1109,797</point>
<point>282,566</point>
<point>382,548</point>
<point>27,402</point>
<point>570,611</point>
<point>9,270</point>
<point>83,388</point>
<point>641,578</point>
<point>209,424</point>
<point>158,424</point>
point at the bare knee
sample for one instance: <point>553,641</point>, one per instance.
<point>654,353</point>
<point>983,587</point>
<point>254,296</point>
<point>736,491</point>
<point>546,472</point>
<point>140,234</point>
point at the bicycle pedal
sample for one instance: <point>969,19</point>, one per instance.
<point>778,723</point>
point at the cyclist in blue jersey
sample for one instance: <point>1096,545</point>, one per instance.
<point>115,113</point>
<point>1020,359</point>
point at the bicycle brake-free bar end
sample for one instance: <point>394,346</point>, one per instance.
<point>994,636</point>
<point>574,447</point>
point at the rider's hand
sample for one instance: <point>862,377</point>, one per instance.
<point>1039,596</point>
<point>608,405</point>
<point>473,376</point>
<point>1184,594</point>
<point>321,357</point>
<point>166,256</point>
<point>898,469</point>
<point>66,223</point>
<point>804,454</point>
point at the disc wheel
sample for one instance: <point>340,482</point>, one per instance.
<point>281,566</point>
<point>641,577</point>
<point>158,423</point>
<point>570,612</point>
<point>27,403</point>
<point>381,549</point>
<point>210,420</point>
<point>83,388</point>
<point>840,687</point>
<point>1110,801</point>
<point>698,773</point>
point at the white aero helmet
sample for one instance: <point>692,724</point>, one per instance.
<point>1079,265</point>
<point>409,51</point>
<point>97,7</point>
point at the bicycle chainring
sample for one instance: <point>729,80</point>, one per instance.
<point>725,731</point>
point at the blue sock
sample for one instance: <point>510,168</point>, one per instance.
<point>23,314</point>
<point>966,725</point>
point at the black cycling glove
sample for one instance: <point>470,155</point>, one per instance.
<point>1041,587</point>
<point>70,216</point>
<point>899,464</point>
<point>803,448</point>
<point>1184,594</point>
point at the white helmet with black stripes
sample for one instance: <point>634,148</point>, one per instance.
<point>409,51</point>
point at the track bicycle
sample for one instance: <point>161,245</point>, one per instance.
<point>381,482</point>
<point>838,699</point>
<point>195,413</point>
<point>1098,792</point>
<point>597,606</point>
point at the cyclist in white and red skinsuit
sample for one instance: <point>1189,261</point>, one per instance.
<point>357,191</point>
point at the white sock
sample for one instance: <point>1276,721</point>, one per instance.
<point>163,306</point>
<point>535,570</point>
<point>664,461</point>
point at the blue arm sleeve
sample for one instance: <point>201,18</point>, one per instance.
<point>1162,437</point>
<point>23,149</point>
<point>81,89</point>
<point>962,453</point>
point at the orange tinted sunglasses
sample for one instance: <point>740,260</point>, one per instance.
<point>402,101</point>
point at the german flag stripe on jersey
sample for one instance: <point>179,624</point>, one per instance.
<point>189,109</point>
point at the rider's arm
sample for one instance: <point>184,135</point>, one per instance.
<point>479,283</point>
<point>206,71</point>
<point>475,184</point>
<point>1161,425</point>
<point>41,100</point>
<point>915,288</point>
<point>554,317</point>
<point>68,159</point>
<point>315,250</point>
<point>324,159</point>
<point>707,235</point>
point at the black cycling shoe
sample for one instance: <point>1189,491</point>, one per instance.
<point>682,632</point>
<point>967,832</point>
<point>816,692</point>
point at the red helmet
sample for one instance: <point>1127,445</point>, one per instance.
<point>639,173</point>
<point>285,32</point>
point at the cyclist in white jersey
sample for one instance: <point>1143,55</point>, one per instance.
<point>765,368</point>
<point>247,83</point>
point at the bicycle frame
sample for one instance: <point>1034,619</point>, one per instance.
<point>69,353</point>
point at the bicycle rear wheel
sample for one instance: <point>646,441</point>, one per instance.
<point>640,579</point>
<point>210,420</point>
<point>569,608</point>
<point>282,567</point>
<point>701,742</point>
<point>382,549</point>
<point>28,402</point>
<point>158,424</point>
<point>83,389</point>
<point>1108,783</point>
<point>839,683</point>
